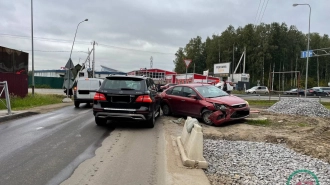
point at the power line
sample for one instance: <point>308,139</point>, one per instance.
<point>255,19</point>
<point>83,42</point>
<point>51,51</point>
<point>264,11</point>
<point>262,7</point>
<point>40,38</point>
<point>130,49</point>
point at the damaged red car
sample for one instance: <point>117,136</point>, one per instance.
<point>204,101</point>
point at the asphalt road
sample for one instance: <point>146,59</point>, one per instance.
<point>47,148</point>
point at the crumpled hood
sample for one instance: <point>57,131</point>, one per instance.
<point>228,100</point>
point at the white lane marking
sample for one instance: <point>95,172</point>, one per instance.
<point>39,128</point>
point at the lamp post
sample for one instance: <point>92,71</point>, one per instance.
<point>67,99</point>
<point>309,27</point>
<point>32,48</point>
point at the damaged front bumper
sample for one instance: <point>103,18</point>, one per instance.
<point>219,117</point>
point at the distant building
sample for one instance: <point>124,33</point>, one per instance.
<point>105,71</point>
<point>14,69</point>
<point>158,75</point>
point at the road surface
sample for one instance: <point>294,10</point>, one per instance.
<point>47,148</point>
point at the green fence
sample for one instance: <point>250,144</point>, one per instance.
<point>47,82</point>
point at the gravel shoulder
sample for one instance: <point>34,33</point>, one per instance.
<point>302,136</point>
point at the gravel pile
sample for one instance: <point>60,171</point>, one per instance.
<point>242,162</point>
<point>300,106</point>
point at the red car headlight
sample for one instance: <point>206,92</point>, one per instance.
<point>220,106</point>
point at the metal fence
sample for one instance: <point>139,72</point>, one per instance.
<point>47,82</point>
<point>4,89</point>
<point>278,97</point>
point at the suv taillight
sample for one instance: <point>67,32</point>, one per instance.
<point>144,99</point>
<point>99,96</point>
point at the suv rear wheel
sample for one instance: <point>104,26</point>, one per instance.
<point>100,121</point>
<point>151,122</point>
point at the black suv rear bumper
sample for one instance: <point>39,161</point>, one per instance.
<point>123,115</point>
<point>108,115</point>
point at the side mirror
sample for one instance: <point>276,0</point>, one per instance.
<point>193,96</point>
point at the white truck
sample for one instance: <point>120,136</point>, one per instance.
<point>85,90</point>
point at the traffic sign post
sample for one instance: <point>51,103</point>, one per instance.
<point>187,62</point>
<point>303,54</point>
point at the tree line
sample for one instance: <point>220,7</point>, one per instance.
<point>269,47</point>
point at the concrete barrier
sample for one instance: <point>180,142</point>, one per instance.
<point>190,144</point>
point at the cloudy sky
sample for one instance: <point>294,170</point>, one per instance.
<point>129,32</point>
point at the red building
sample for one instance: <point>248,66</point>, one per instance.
<point>191,78</point>
<point>14,69</point>
<point>158,75</point>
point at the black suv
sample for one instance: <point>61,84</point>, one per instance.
<point>127,98</point>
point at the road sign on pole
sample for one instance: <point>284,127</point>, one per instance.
<point>303,54</point>
<point>187,62</point>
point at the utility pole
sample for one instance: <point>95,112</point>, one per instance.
<point>233,65</point>
<point>151,63</point>
<point>244,60</point>
<point>194,67</point>
<point>219,51</point>
<point>263,70</point>
<point>318,73</point>
<point>273,77</point>
<point>32,48</point>
<point>93,63</point>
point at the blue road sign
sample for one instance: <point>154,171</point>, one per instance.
<point>303,54</point>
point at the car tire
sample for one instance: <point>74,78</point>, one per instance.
<point>205,115</point>
<point>151,122</point>
<point>254,92</point>
<point>76,104</point>
<point>166,110</point>
<point>100,121</point>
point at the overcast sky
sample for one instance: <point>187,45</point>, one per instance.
<point>129,32</point>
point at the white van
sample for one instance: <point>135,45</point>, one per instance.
<point>85,90</point>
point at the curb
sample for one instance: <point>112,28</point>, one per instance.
<point>16,116</point>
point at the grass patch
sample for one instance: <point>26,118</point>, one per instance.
<point>303,124</point>
<point>265,123</point>
<point>262,102</point>
<point>18,103</point>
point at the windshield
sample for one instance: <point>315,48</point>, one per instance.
<point>255,87</point>
<point>210,91</point>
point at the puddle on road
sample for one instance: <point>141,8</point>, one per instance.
<point>87,154</point>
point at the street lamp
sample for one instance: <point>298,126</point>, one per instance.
<point>67,99</point>
<point>309,27</point>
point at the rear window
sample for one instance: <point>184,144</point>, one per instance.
<point>95,84</point>
<point>84,84</point>
<point>124,84</point>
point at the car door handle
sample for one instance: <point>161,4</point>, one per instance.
<point>169,98</point>
<point>183,100</point>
